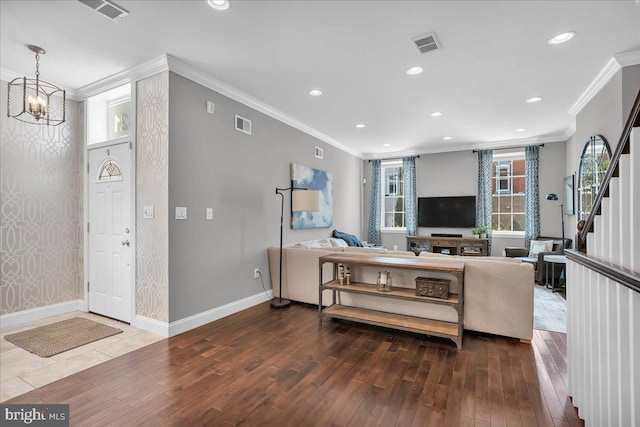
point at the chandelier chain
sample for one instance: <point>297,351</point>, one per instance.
<point>37,65</point>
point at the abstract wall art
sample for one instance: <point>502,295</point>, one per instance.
<point>313,179</point>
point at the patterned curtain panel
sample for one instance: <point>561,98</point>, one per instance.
<point>483,203</point>
<point>374,236</point>
<point>410,198</point>
<point>531,194</point>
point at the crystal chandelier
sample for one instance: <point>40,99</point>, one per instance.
<point>34,102</point>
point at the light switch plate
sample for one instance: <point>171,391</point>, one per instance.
<point>209,213</point>
<point>210,107</point>
<point>181,212</point>
<point>148,212</point>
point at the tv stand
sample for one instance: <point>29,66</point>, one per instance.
<point>465,246</point>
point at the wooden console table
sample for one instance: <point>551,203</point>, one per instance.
<point>422,325</point>
<point>448,245</point>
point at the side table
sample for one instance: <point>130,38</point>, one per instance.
<point>553,260</point>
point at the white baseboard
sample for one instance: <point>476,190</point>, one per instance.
<point>157,327</point>
<point>151,325</point>
<point>191,322</point>
<point>33,314</point>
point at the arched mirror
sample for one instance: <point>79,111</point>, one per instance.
<point>594,162</point>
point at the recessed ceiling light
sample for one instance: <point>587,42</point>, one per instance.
<point>520,130</point>
<point>386,145</point>
<point>315,92</point>
<point>436,114</point>
<point>534,99</point>
<point>414,70</point>
<point>562,37</point>
<point>360,125</point>
<point>447,138</point>
<point>219,4</point>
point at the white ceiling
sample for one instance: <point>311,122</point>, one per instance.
<point>494,56</point>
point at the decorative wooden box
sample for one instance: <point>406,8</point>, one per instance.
<point>431,287</point>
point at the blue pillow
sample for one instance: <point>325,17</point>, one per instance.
<point>349,238</point>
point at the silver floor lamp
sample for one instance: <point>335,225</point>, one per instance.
<point>302,200</point>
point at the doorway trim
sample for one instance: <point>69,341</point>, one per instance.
<point>86,176</point>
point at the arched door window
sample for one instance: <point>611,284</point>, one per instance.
<point>110,171</point>
<point>594,162</point>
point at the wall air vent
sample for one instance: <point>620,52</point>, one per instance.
<point>427,42</point>
<point>108,9</point>
<point>243,125</point>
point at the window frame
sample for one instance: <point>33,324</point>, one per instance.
<point>589,149</point>
<point>504,165</point>
<point>507,159</point>
<point>388,164</point>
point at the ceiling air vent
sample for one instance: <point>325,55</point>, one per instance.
<point>243,125</point>
<point>427,42</point>
<point>110,10</point>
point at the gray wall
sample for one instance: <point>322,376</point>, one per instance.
<point>630,88</point>
<point>604,115</point>
<point>212,165</point>
<point>455,174</point>
<point>41,249</point>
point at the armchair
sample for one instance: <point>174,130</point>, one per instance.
<point>538,263</point>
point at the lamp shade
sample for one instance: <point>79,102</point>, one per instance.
<point>305,200</point>
<point>552,196</point>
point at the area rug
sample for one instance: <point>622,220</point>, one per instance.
<point>549,310</point>
<point>49,340</point>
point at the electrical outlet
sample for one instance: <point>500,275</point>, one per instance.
<point>256,273</point>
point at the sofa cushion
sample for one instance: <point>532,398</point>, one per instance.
<point>349,238</point>
<point>358,249</point>
<point>337,243</point>
<point>537,246</point>
<point>526,259</point>
<point>311,244</point>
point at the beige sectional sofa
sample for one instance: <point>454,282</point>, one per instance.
<point>498,291</point>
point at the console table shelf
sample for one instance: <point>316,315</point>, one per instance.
<point>396,292</point>
<point>423,325</point>
<point>398,321</point>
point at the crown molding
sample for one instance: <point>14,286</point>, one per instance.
<point>603,77</point>
<point>186,70</point>
<point>146,69</point>
<point>167,62</point>
<point>628,59</point>
<point>494,145</point>
<point>614,65</point>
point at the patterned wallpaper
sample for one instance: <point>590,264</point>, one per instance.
<point>152,189</point>
<point>41,249</point>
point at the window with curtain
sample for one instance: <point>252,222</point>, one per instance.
<point>393,215</point>
<point>508,192</point>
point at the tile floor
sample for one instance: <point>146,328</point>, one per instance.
<point>21,371</point>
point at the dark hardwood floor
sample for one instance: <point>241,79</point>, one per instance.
<point>279,367</point>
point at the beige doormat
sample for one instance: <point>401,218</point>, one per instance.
<point>49,340</point>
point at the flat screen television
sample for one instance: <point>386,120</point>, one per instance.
<point>451,212</point>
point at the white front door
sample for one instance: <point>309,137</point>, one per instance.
<point>110,235</point>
